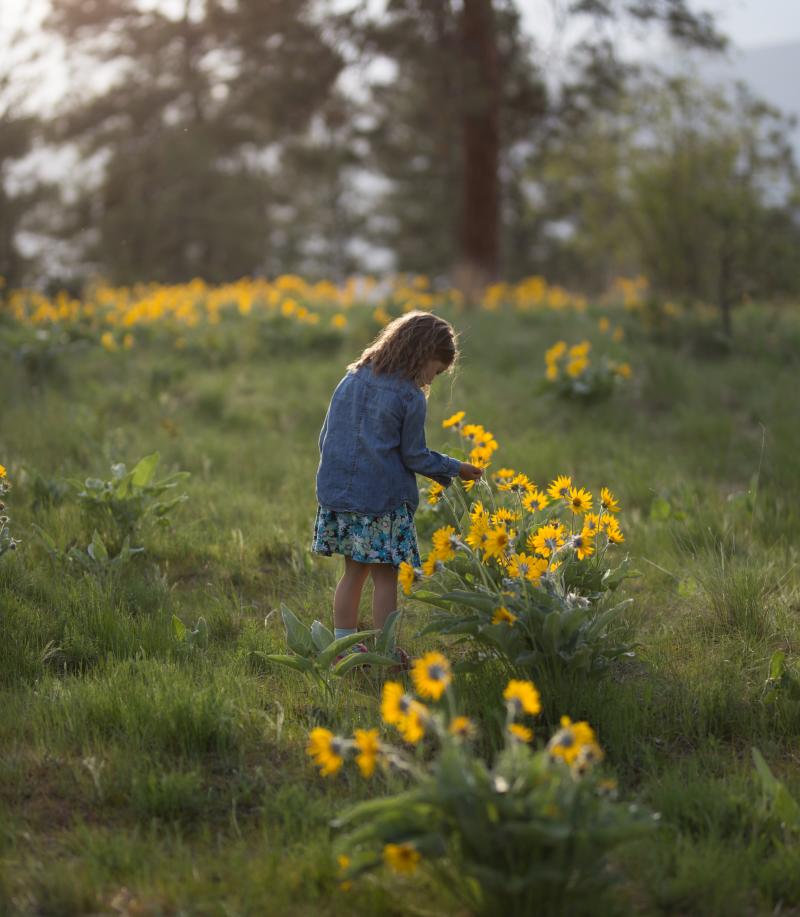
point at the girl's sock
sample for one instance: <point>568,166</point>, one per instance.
<point>339,632</point>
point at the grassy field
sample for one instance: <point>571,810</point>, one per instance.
<point>140,775</point>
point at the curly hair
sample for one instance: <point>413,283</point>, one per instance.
<point>406,345</point>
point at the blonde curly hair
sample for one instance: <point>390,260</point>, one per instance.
<point>406,345</point>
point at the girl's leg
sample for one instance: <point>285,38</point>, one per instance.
<point>384,595</point>
<point>348,593</point>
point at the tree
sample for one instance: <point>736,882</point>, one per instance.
<point>713,198</point>
<point>191,128</point>
<point>467,96</point>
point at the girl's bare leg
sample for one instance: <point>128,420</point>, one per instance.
<point>384,596</point>
<point>348,593</point>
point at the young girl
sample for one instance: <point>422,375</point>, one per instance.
<point>372,445</point>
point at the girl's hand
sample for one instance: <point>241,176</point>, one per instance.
<point>469,472</point>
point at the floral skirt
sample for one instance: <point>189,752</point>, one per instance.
<point>386,539</point>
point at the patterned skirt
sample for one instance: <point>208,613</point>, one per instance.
<point>386,539</point>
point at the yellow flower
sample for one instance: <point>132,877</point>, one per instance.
<point>521,484</point>
<point>344,864</point>
<point>612,529</point>
<point>369,748</point>
<point>576,367</point>
<point>462,726</point>
<point>568,741</point>
<point>580,501</point>
<point>339,320</point>
<point>395,703</point>
<point>582,544</point>
<point>520,732</point>
<point>326,750</point>
<point>412,727</point>
<point>624,370</point>
<point>504,476</point>
<point>454,420</point>
<point>554,353</point>
<point>435,492</point>
<point>608,501</point>
<point>580,350</point>
<point>604,324</point>
<point>524,566</point>
<point>2,471</point>
<point>504,517</point>
<point>591,523</point>
<point>108,342</point>
<point>444,543</point>
<point>534,500</point>
<point>429,565</point>
<point>551,373</point>
<point>546,539</point>
<point>559,488</point>
<point>401,858</point>
<point>522,697</point>
<point>497,541</point>
<point>503,616</point>
<point>431,675</point>
<point>619,334</point>
<point>407,576</point>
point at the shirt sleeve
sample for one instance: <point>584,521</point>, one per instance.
<point>415,454</point>
<point>323,431</point>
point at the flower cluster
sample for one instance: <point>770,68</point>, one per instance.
<point>527,540</point>
<point>450,769</point>
<point>571,370</point>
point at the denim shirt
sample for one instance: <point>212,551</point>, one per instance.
<point>373,442</point>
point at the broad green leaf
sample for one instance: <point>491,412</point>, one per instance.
<point>298,663</point>
<point>144,470</point>
<point>777,665</point>
<point>387,638</point>
<point>97,549</point>
<point>298,636</point>
<point>337,647</point>
<point>321,636</point>
<point>178,629</point>
<point>660,509</point>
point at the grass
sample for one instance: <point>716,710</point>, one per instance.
<point>141,775</point>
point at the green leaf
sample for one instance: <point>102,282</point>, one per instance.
<point>298,663</point>
<point>479,600</point>
<point>97,549</point>
<point>178,629</point>
<point>387,638</point>
<point>337,647</point>
<point>321,636</point>
<point>777,665</point>
<point>144,470</point>
<point>298,636</point>
<point>356,659</point>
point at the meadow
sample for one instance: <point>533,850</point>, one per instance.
<point>154,762</point>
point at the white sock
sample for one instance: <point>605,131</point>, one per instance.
<point>339,632</point>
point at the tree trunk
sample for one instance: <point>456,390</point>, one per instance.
<point>479,242</point>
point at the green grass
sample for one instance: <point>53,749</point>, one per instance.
<point>140,773</point>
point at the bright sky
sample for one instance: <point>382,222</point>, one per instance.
<point>749,23</point>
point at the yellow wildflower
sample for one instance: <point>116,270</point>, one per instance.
<point>326,750</point>
<point>369,748</point>
<point>576,367</point>
<point>462,726</point>
<point>547,539</point>
<point>570,738</point>
<point>454,420</point>
<point>401,858</point>
<point>612,529</point>
<point>343,862</point>
<point>435,492</point>
<point>431,675</point>
<point>503,616</point>
<point>444,540</point>
<point>608,501</point>
<point>559,488</point>
<point>580,500</point>
<point>527,567</point>
<point>2,471</point>
<point>504,517</point>
<point>522,697</point>
<point>582,544</point>
<point>497,541</point>
<point>407,576</point>
<point>534,500</point>
<point>429,565</point>
<point>520,732</point>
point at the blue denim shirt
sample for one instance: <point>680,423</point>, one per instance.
<point>373,442</point>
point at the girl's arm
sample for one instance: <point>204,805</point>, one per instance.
<point>415,454</point>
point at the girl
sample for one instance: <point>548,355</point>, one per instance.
<point>371,445</point>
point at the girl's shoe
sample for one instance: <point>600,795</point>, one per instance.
<point>355,648</point>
